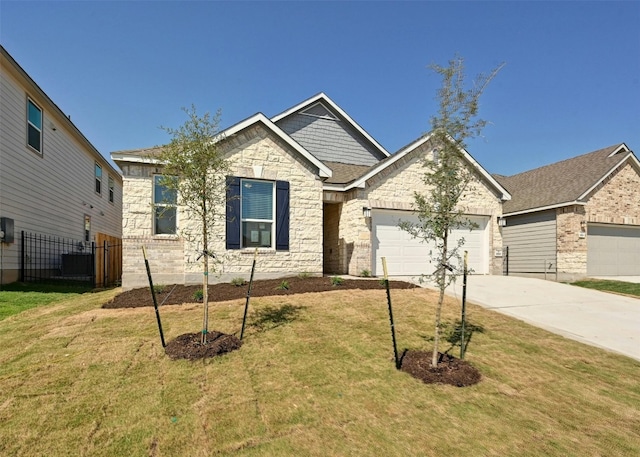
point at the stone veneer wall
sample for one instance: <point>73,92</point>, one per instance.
<point>615,201</point>
<point>571,250</point>
<point>253,153</point>
<point>394,188</point>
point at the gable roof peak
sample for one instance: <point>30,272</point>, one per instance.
<point>621,148</point>
<point>333,109</point>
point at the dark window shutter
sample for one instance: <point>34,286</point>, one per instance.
<point>282,215</point>
<point>233,212</point>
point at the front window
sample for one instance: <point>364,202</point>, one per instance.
<point>98,179</point>
<point>257,211</point>
<point>111,189</point>
<point>164,207</point>
<point>34,126</point>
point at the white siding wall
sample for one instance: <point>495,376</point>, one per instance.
<point>49,194</point>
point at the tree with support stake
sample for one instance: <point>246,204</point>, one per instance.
<point>447,177</point>
<point>393,329</point>
<point>153,296</point>
<point>246,305</point>
<point>463,318</point>
<point>194,168</point>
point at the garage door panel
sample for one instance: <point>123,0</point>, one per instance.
<point>409,256</point>
<point>613,250</point>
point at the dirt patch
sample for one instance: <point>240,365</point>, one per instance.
<point>188,346</point>
<point>179,294</point>
<point>450,370</point>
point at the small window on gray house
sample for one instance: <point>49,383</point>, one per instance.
<point>111,189</point>
<point>34,126</point>
<point>98,179</point>
<point>164,207</point>
<point>87,227</point>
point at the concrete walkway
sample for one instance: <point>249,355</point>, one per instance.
<point>597,318</point>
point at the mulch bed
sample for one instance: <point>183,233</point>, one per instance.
<point>450,370</point>
<point>188,346</point>
<point>179,294</point>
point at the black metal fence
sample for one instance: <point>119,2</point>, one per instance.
<point>52,258</point>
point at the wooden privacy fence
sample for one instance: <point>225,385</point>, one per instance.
<point>108,258</point>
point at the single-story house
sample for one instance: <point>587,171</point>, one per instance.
<point>318,195</point>
<point>575,218</point>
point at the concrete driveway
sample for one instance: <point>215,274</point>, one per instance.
<point>597,318</point>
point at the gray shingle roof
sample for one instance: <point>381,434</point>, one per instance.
<point>344,173</point>
<point>560,182</point>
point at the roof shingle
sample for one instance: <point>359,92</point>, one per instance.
<point>560,182</point>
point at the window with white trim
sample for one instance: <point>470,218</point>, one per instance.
<point>98,179</point>
<point>164,207</point>
<point>257,214</point>
<point>34,126</point>
<point>257,209</point>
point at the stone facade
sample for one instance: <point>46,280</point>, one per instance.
<point>253,153</point>
<point>393,188</point>
<point>616,200</point>
<point>571,248</point>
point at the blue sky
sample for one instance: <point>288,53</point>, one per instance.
<point>571,83</point>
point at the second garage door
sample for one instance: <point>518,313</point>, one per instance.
<point>613,250</point>
<point>407,256</point>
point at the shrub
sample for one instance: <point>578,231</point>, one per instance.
<point>159,288</point>
<point>197,295</point>
<point>336,281</point>
<point>304,275</point>
<point>284,285</point>
<point>365,273</point>
<point>238,281</point>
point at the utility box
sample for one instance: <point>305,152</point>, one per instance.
<point>6,226</point>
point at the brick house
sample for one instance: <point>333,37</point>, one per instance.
<point>575,218</point>
<point>318,194</point>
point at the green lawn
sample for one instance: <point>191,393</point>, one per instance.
<point>18,297</point>
<point>315,377</point>
<point>620,287</point>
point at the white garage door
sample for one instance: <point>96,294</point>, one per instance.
<point>407,256</point>
<point>613,250</point>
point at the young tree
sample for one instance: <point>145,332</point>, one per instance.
<point>194,169</point>
<point>447,178</point>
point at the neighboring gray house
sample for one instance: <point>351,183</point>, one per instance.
<point>53,182</point>
<point>575,218</point>
<point>317,193</point>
